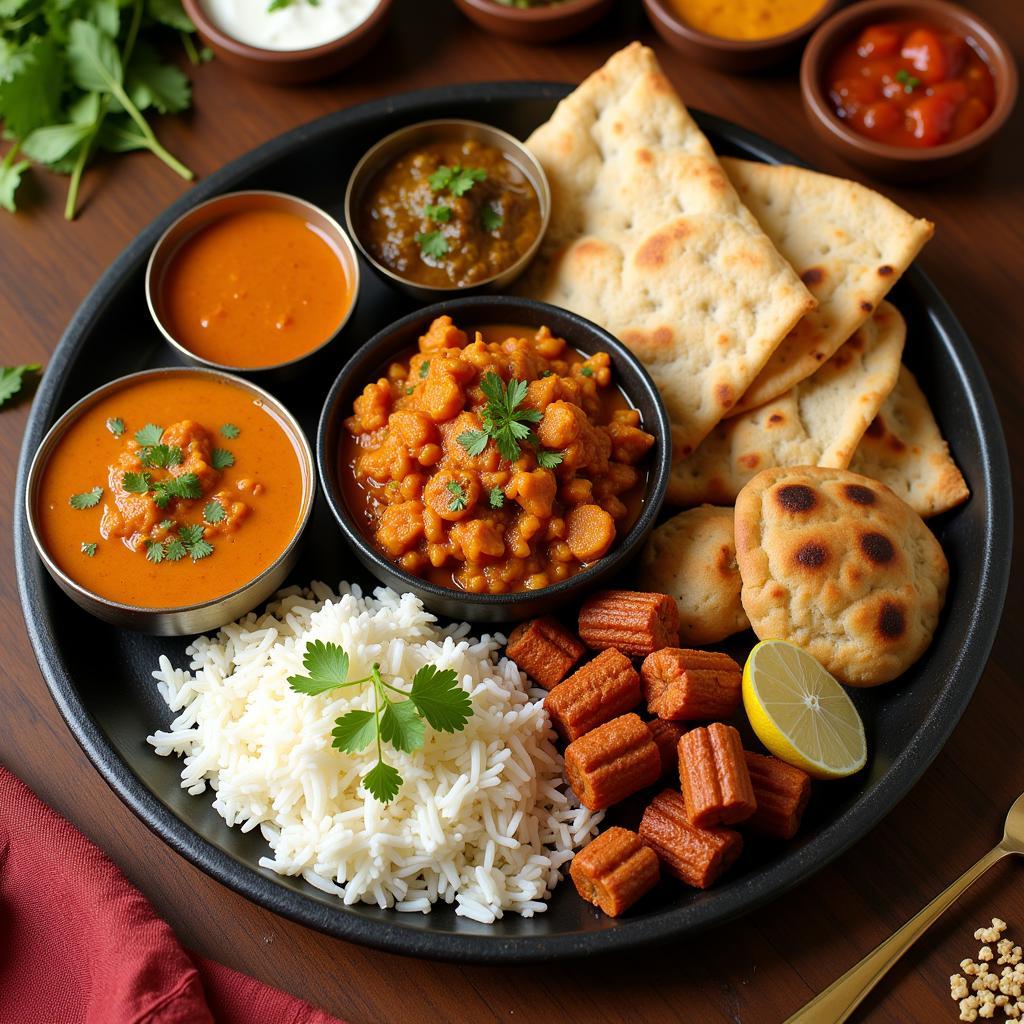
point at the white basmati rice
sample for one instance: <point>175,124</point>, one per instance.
<point>483,820</point>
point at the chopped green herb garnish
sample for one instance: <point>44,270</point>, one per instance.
<point>201,549</point>
<point>174,550</point>
<point>459,498</point>
<point>136,483</point>
<point>548,459</point>
<point>190,534</point>
<point>12,377</point>
<point>230,431</point>
<point>432,244</point>
<point>116,426</point>
<point>221,458</point>
<point>165,524</point>
<point>214,511</point>
<point>409,389</point>
<point>161,456</point>
<point>435,698</point>
<point>490,219</point>
<point>155,551</point>
<point>89,550</point>
<point>503,419</point>
<point>546,373</point>
<point>496,497</point>
<point>87,499</point>
<point>424,369</point>
<point>184,486</point>
<point>587,371</point>
<point>458,180</point>
<point>907,80</point>
<point>438,212</point>
<point>149,435</point>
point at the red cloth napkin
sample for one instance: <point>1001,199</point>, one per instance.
<point>80,945</point>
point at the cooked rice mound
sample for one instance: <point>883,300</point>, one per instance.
<point>483,820</point>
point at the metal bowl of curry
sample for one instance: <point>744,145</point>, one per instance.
<point>448,206</point>
<point>495,456</point>
<point>171,501</point>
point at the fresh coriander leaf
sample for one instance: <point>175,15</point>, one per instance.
<point>353,732</point>
<point>184,486</point>
<point>439,212</point>
<point>93,59</point>
<point>441,178</point>
<point>230,431</point>
<point>549,459</point>
<point>401,726</point>
<point>545,373</point>
<point>458,499</point>
<point>87,499</point>
<point>327,665</point>
<point>136,483</point>
<point>165,524</point>
<point>189,534</point>
<point>496,497</point>
<point>152,83</point>
<point>502,418</point>
<point>424,369</point>
<point>162,456</point>
<point>409,390</point>
<point>464,179</point>
<point>278,5</point>
<point>382,782</point>
<point>89,550</point>
<point>221,458</point>
<point>587,371</point>
<point>174,550</point>
<point>116,426</point>
<point>170,13</point>
<point>31,84</point>
<point>149,435</point>
<point>473,441</point>
<point>12,377</point>
<point>432,244</point>
<point>202,549</point>
<point>10,178</point>
<point>105,15</point>
<point>214,511</point>
<point>51,144</point>
<point>155,551</point>
<point>490,219</point>
<point>440,699</point>
<point>907,80</point>
<point>120,135</point>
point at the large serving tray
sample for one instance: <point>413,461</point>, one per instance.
<point>100,676</point>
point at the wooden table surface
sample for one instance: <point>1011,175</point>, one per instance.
<point>756,970</point>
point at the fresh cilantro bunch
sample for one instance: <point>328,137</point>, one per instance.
<point>507,424</point>
<point>12,377</point>
<point>77,76</point>
<point>435,697</point>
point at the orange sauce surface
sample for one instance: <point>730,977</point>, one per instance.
<point>254,288</point>
<point>261,494</point>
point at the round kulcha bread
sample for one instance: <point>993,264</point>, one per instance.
<point>835,563</point>
<point>692,557</point>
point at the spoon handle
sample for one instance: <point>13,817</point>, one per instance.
<point>843,996</point>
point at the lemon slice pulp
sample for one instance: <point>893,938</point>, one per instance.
<point>800,713</point>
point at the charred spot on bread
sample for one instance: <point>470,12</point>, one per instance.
<point>866,306</point>
<point>892,623</point>
<point>877,547</point>
<point>812,555</point>
<point>796,498</point>
<point>859,494</point>
<point>776,417</point>
<point>885,270</point>
<point>813,275</point>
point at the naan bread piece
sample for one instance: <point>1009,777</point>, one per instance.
<point>848,244</point>
<point>819,422</point>
<point>648,238</point>
<point>904,449</point>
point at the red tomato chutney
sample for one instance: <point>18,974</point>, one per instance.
<point>910,84</point>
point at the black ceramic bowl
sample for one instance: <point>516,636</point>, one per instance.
<point>582,335</point>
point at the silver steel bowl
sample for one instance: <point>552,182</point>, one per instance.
<point>198,217</point>
<point>190,619</point>
<point>393,145</point>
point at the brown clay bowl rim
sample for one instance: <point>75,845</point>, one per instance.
<point>991,44</point>
<point>711,42</point>
<point>533,15</point>
<point>218,37</point>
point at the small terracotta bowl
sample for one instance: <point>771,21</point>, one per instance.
<point>290,67</point>
<point>738,55</point>
<point>901,163</point>
<point>534,24</point>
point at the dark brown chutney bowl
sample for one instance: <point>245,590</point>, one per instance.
<point>736,55</point>
<point>583,335</point>
<point>902,163</point>
<point>543,23</point>
<point>290,67</point>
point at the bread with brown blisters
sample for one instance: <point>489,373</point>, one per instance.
<point>836,564</point>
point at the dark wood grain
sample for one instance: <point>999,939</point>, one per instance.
<point>756,970</point>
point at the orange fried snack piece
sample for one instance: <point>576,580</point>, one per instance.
<point>696,856</point>
<point>666,736</point>
<point>601,690</point>
<point>614,870</point>
<point>545,650</point>
<point>631,621</point>
<point>781,790</point>
<point>714,777</point>
<point>612,762</point>
<point>692,686</point>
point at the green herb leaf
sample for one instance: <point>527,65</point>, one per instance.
<point>201,549</point>
<point>152,83</point>
<point>496,497</point>
<point>503,419</point>
<point>89,550</point>
<point>221,458</point>
<point>165,524</point>
<point>51,144</point>
<point>174,550</point>
<point>382,782</point>
<point>162,456</point>
<point>432,244</point>
<point>327,665</point>
<point>441,178</point>
<point>473,441</point>
<point>149,435</point>
<point>93,60</point>
<point>401,726</point>
<point>12,378</point>
<point>587,371</point>
<point>464,178</point>
<point>490,219</point>
<point>909,82</point>
<point>214,511</point>
<point>31,84</point>
<point>170,13</point>
<point>440,213</point>
<point>440,699</point>
<point>549,459</point>
<point>87,499</point>
<point>189,534</point>
<point>424,369</point>
<point>353,732</point>
<point>116,426</point>
<point>184,486</point>
<point>155,551</point>
<point>136,483</point>
<point>230,431</point>
<point>10,178</point>
<point>459,499</point>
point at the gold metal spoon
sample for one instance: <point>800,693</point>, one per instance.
<point>842,997</point>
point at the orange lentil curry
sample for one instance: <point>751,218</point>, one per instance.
<point>171,491</point>
<point>504,462</point>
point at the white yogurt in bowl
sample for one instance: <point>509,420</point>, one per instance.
<point>299,26</point>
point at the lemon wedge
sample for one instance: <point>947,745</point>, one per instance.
<point>800,713</point>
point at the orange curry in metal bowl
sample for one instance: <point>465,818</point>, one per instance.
<point>171,491</point>
<point>497,461</point>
